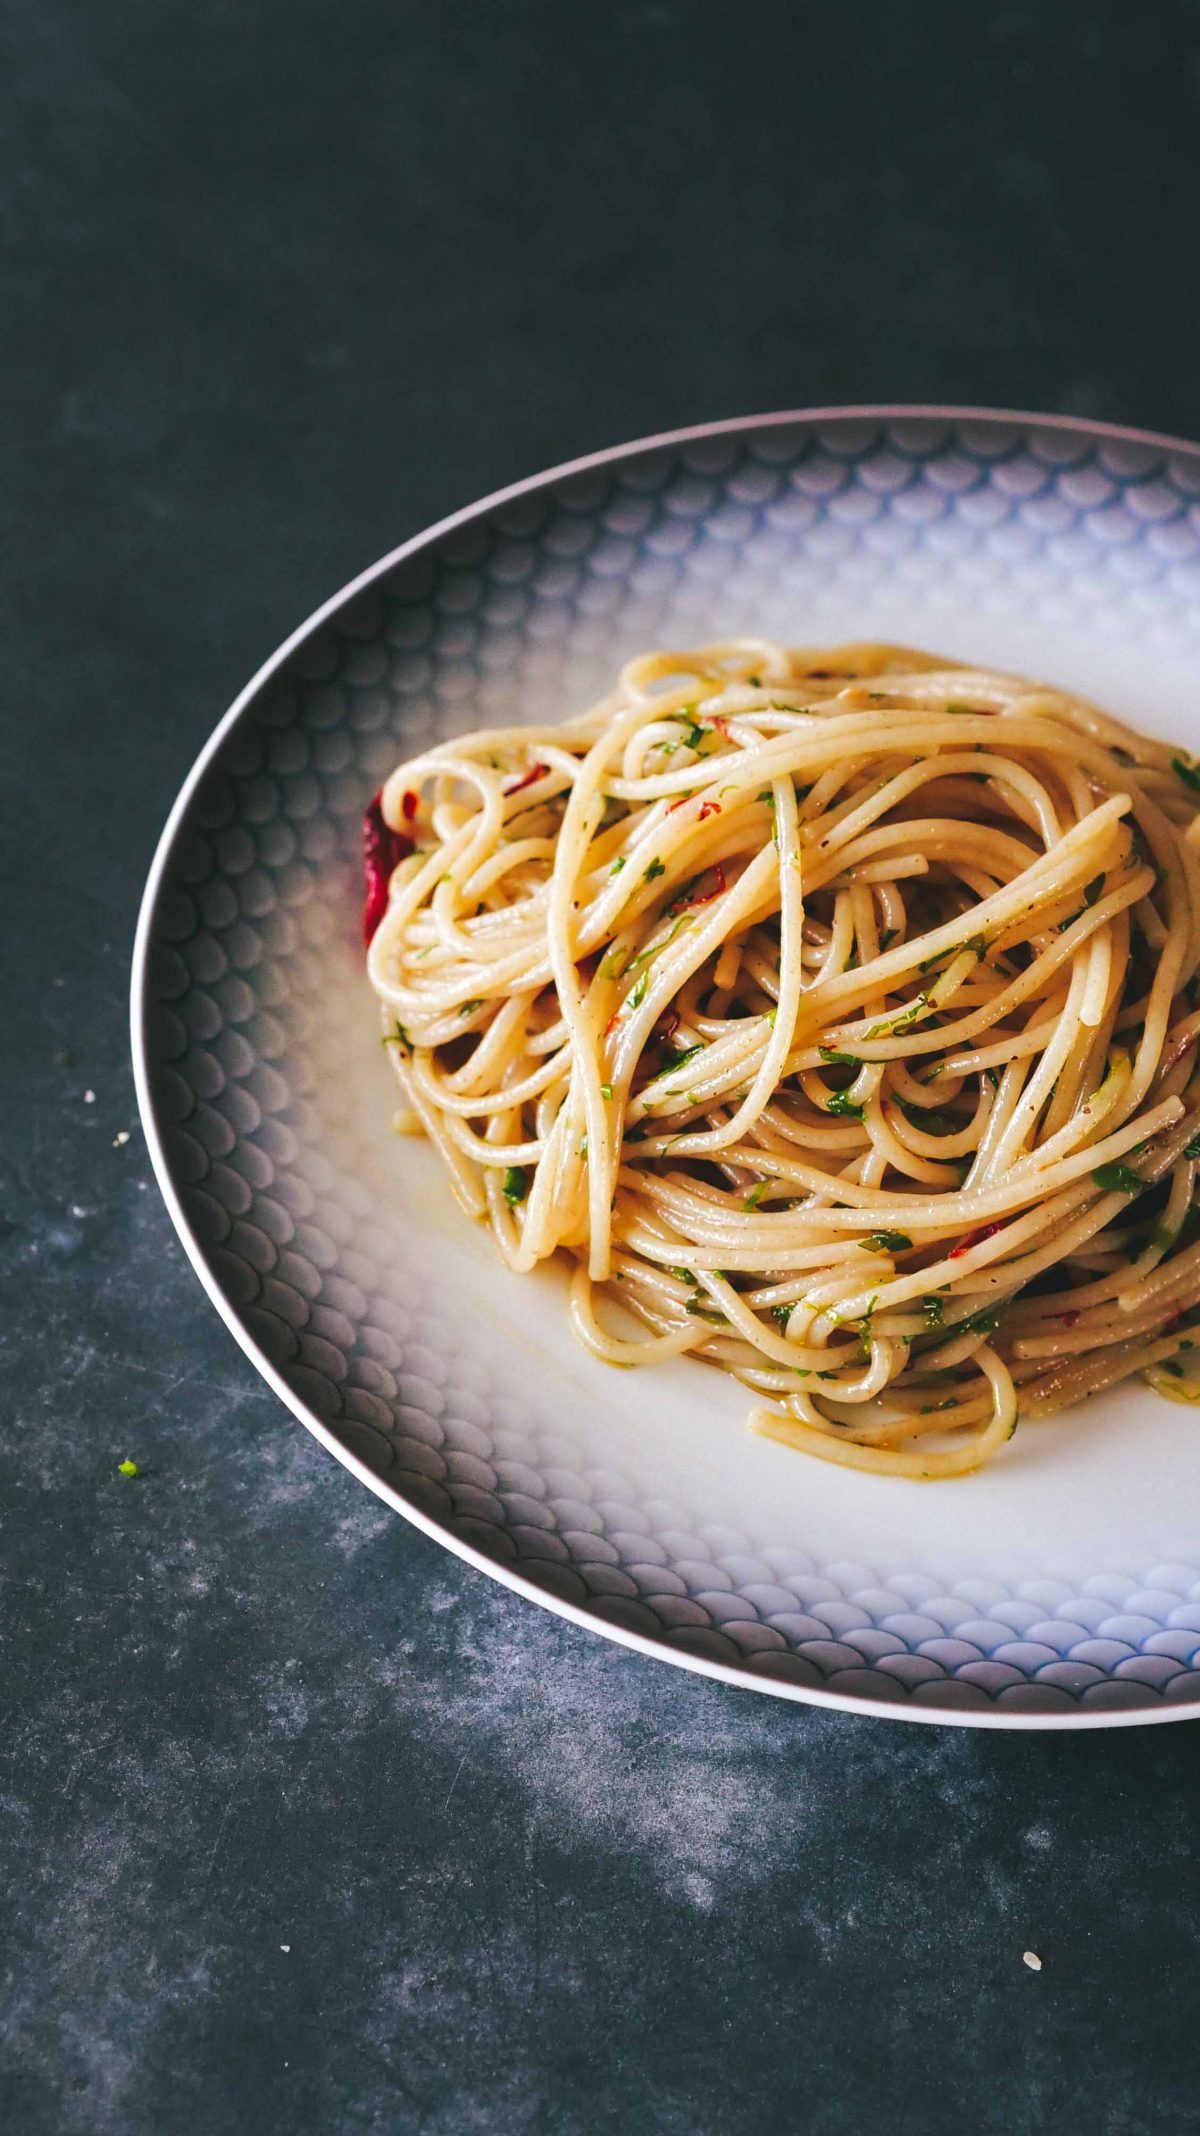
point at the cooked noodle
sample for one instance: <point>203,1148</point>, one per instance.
<point>834,1010</point>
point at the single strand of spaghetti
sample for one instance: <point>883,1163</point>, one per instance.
<point>1008,1143</point>
<point>493,1050</point>
<point>611,1348</point>
<point>921,1463</point>
<point>464,1179</point>
<point>1049,875</point>
<point>1071,1382</point>
<point>1027,984</point>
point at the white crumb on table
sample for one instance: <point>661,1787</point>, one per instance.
<point>1032,1961</point>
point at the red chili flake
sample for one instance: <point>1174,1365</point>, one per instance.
<point>717,890</point>
<point>708,808</point>
<point>409,805</point>
<point>722,727</point>
<point>612,1023</point>
<point>1068,1319</point>
<point>681,803</point>
<point>534,773</point>
<point>383,849</point>
<point>974,1238</point>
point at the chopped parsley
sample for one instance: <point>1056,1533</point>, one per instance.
<point>617,865</point>
<point>1118,1179</point>
<point>885,1242</point>
<point>841,1102</point>
<point>934,1310</point>
<point>704,1312</point>
<point>606,1090</point>
<point>469,1007</point>
<point>516,1184</point>
<point>695,734</point>
<point>930,1121</point>
<point>639,993</point>
<point>977,942</point>
<point>782,1314</point>
<point>838,1060</point>
<point>685,1276</point>
<point>398,1037</point>
<point>128,1468</point>
<point>906,1018</point>
<point>656,867</point>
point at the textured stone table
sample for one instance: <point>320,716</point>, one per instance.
<point>305,1825</point>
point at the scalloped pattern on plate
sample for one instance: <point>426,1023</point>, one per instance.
<point>258,1035</point>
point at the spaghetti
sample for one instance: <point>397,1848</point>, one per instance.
<point>836,1012</point>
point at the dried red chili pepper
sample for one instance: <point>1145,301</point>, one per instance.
<point>383,849</point>
<point>718,888</point>
<point>534,773</point>
<point>974,1238</point>
<point>708,808</point>
<point>410,804</point>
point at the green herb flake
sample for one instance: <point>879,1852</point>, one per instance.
<point>755,1195</point>
<point>617,865</point>
<point>398,1037</point>
<point>656,867</point>
<point>606,1090</point>
<point>843,1104</point>
<point>128,1468</point>
<point>782,1314</point>
<point>934,1310</point>
<point>838,1060</point>
<point>1118,1179</point>
<point>902,1022</point>
<point>704,1312</point>
<point>639,993</point>
<point>928,1120</point>
<point>516,1184</point>
<point>469,1007</point>
<point>885,1242</point>
<point>685,1275</point>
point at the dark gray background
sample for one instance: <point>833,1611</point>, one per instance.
<point>306,1826</point>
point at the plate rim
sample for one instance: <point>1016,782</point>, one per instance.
<point>516,1581</point>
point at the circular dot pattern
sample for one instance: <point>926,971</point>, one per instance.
<point>253,978</point>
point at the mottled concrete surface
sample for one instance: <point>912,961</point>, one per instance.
<point>305,1826</point>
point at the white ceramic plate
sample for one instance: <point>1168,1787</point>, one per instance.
<point>1060,1587</point>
